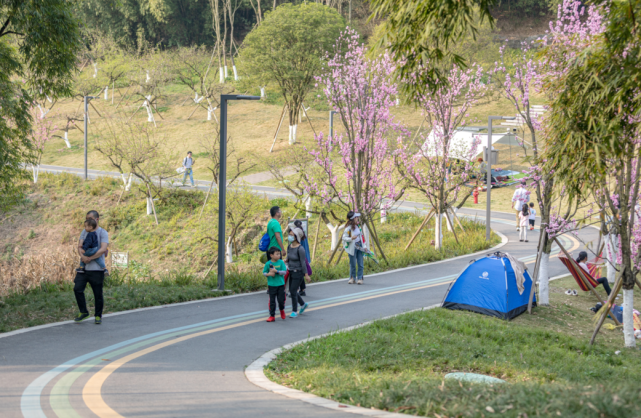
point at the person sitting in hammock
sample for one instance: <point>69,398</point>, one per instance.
<point>581,260</point>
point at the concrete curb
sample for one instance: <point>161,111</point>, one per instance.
<point>255,373</point>
<point>504,240</point>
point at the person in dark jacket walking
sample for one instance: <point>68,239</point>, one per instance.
<point>297,270</point>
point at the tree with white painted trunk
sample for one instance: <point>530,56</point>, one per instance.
<point>232,7</point>
<point>593,136</point>
<point>357,168</point>
<point>132,148</point>
<point>153,72</point>
<point>435,164</point>
<point>194,68</point>
<point>288,48</point>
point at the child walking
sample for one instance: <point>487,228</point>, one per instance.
<point>90,245</point>
<point>532,216</point>
<point>275,270</point>
<point>524,217</point>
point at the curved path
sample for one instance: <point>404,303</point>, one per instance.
<point>188,359</point>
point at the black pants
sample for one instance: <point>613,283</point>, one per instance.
<point>295,280</point>
<point>276,293</point>
<point>606,285</point>
<point>95,279</point>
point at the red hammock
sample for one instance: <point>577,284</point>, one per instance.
<point>572,269</point>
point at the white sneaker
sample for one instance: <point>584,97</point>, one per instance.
<point>351,281</point>
<point>568,292</point>
<point>360,281</point>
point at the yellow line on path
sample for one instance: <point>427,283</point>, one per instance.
<point>91,393</point>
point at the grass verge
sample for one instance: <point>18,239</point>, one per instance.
<point>398,364</point>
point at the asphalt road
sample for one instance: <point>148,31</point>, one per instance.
<point>187,360</point>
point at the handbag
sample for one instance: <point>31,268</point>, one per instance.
<point>309,268</point>
<point>180,170</point>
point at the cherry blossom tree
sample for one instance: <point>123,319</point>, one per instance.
<point>438,165</point>
<point>519,79</point>
<point>357,170</point>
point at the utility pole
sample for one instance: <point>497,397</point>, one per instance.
<point>87,98</point>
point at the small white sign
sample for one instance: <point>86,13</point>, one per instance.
<point>120,259</point>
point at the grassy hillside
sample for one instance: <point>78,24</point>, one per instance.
<point>252,126</point>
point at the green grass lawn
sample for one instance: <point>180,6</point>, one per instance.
<point>398,364</point>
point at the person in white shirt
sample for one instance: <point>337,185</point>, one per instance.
<point>581,260</point>
<point>521,196</point>
<point>532,216</point>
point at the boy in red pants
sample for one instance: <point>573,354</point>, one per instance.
<point>275,270</point>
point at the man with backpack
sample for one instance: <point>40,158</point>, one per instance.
<point>274,232</point>
<point>188,163</point>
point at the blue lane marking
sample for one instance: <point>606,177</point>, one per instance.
<point>30,401</point>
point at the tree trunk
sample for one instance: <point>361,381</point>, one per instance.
<point>544,280</point>
<point>628,324</point>
<point>438,234</point>
<point>610,255</point>
<point>293,121</point>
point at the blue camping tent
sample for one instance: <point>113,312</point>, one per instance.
<point>488,286</point>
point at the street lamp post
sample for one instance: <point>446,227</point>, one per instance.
<point>488,172</point>
<point>331,123</point>
<point>86,123</point>
<point>222,182</point>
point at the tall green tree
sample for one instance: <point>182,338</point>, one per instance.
<point>594,122</point>
<point>421,33</point>
<point>288,48</point>
<point>38,44</point>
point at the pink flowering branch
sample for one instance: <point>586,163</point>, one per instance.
<point>439,164</point>
<point>356,166</point>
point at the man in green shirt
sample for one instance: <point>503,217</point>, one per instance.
<point>275,232</point>
<point>275,270</point>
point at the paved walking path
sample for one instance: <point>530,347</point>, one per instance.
<point>187,360</point>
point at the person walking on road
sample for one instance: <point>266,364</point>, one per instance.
<point>524,217</point>
<point>188,163</point>
<point>305,245</point>
<point>275,270</point>
<point>532,216</point>
<point>297,269</point>
<point>93,273</point>
<point>521,197</point>
<point>354,246</point>
<point>275,232</point>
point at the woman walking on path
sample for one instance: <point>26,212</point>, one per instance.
<point>305,245</point>
<point>297,269</point>
<point>353,239</point>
